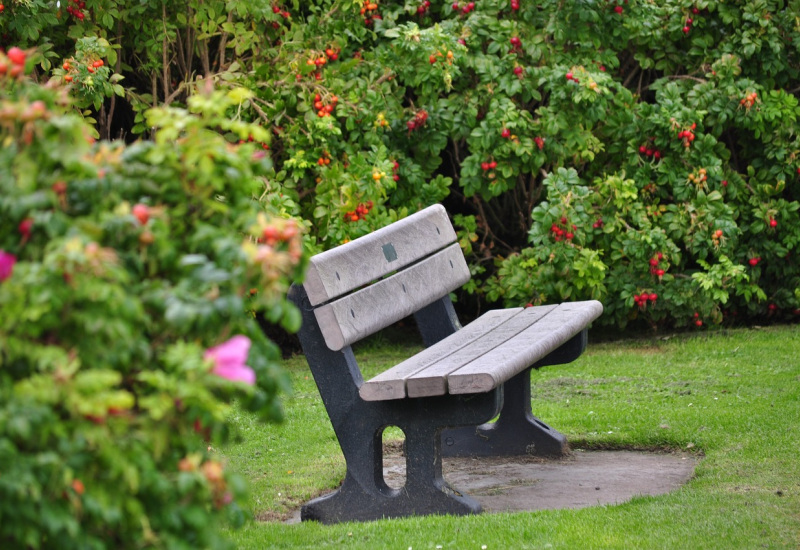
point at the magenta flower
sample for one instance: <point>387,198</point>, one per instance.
<point>7,262</point>
<point>229,358</point>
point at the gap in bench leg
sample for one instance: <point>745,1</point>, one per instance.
<point>394,470</point>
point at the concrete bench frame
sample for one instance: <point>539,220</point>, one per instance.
<point>443,397</point>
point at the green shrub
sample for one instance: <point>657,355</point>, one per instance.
<point>122,269</point>
<point>684,112</point>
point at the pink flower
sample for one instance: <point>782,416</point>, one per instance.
<point>7,262</point>
<point>229,358</point>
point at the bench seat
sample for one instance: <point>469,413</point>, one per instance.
<point>485,353</point>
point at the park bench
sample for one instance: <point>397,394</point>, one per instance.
<point>443,397</point>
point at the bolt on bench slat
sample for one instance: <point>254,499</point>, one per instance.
<point>336,272</point>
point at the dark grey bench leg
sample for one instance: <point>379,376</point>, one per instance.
<point>359,426</point>
<point>517,431</point>
<point>364,495</point>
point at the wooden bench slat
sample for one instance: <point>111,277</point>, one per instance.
<point>433,379</point>
<point>527,347</point>
<point>377,306</point>
<point>391,384</point>
<point>336,272</point>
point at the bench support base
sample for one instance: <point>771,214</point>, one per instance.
<point>364,495</point>
<point>517,431</point>
<point>359,427</point>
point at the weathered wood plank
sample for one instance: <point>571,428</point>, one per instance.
<point>377,306</point>
<point>433,379</point>
<point>391,384</point>
<point>345,268</point>
<point>513,356</point>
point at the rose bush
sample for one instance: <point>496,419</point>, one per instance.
<point>130,281</point>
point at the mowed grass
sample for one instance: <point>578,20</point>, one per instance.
<point>732,397</point>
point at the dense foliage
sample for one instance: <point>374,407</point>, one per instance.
<point>641,153</point>
<point>129,279</point>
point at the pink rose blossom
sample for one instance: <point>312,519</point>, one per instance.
<point>229,358</point>
<point>7,262</point>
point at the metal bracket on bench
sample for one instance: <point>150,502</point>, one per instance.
<point>517,431</point>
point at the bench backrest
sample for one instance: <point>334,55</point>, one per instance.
<point>365,285</point>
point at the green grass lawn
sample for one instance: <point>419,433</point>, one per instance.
<point>731,396</point>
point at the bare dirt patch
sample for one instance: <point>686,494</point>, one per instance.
<point>585,478</point>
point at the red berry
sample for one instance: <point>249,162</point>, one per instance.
<point>141,212</point>
<point>492,165</point>
<point>698,323</point>
<point>569,77</point>
<point>773,223</point>
<point>484,166</point>
<point>506,133</point>
<point>642,149</point>
<point>753,261</point>
<point>660,272</point>
<point>654,262</point>
<point>724,183</point>
<point>517,70</point>
<point>618,9</point>
<point>16,56</point>
<point>686,30</point>
<point>653,297</point>
<point>25,227</point>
